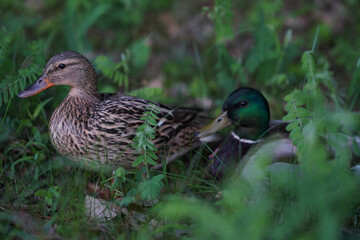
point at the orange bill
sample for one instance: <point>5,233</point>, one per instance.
<point>216,125</point>
<point>40,85</point>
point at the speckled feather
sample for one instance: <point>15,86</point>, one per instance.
<point>102,131</point>
<point>98,128</point>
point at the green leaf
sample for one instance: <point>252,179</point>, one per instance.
<point>11,91</point>
<point>146,113</point>
<point>39,108</point>
<point>289,117</point>
<point>295,135</point>
<point>151,161</point>
<point>151,146</point>
<point>92,18</point>
<point>22,83</point>
<point>152,122</point>
<point>144,118</point>
<point>6,96</point>
<point>292,125</point>
<point>264,51</point>
<point>151,154</point>
<point>158,177</point>
<point>150,189</point>
<point>138,160</point>
<point>120,172</point>
<point>129,198</point>
<point>40,193</point>
<point>153,115</point>
<point>303,112</point>
<point>308,66</point>
<point>140,53</point>
<point>118,78</point>
<point>223,16</point>
<point>16,88</point>
<point>356,145</point>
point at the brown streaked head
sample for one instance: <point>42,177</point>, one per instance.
<point>66,68</point>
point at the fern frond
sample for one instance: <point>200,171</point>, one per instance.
<point>148,188</point>
<point>144,134</point>
<point>118,72</point>
<point>9,88</point>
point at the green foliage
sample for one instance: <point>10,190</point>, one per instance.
<point>118,72</point>
<point>129,198</point>
<point>306,108</point>
<point>149,187</point>
<point>266,49</point>
<point>78,18</point>
<point>268,60</point>
<point>6,38</point>
<point>132,61</point>
<point>144,189</point>
<point>182,55</point>
<point>12,83</point>
<point>222,16</point>
<point>255,205</point>
<point>140,53</point>
<point>267,63</point>
<point>227,68</point>
<point>144,136</point>
<point>148,93</point>
<point>8,230</point>
<point>50,195</point>
<point>297,114</point>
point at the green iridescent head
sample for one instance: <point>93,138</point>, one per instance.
<point>247,109</point>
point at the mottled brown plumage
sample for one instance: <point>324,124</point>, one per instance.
<point>98,128</point>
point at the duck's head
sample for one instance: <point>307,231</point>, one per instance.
<point>247,109</point>
<point>66,68</point>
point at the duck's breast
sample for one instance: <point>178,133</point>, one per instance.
<point>71,128</point>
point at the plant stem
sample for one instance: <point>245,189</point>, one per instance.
<point>7,108</point>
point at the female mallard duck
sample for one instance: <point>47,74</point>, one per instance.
<point>248,109</point>
<point>100,128</point>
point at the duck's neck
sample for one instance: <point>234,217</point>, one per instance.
<point>251,133</point>
<point>76,93</point>
<point>243,140</point>
<point>73,112</point>
<point>77,104</point>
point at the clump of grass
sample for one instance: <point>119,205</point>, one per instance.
<point>320,92</point>
<point>294,205</point>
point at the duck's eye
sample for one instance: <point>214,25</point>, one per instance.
<point>61,66</point>
<point>243,103</point>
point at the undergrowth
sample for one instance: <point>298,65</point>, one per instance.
<point>311,202</point>
<point>197,61</point>
<point>147,187</point>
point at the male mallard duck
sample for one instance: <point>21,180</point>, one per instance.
<point>248,110</point>
<point>100,128</point>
